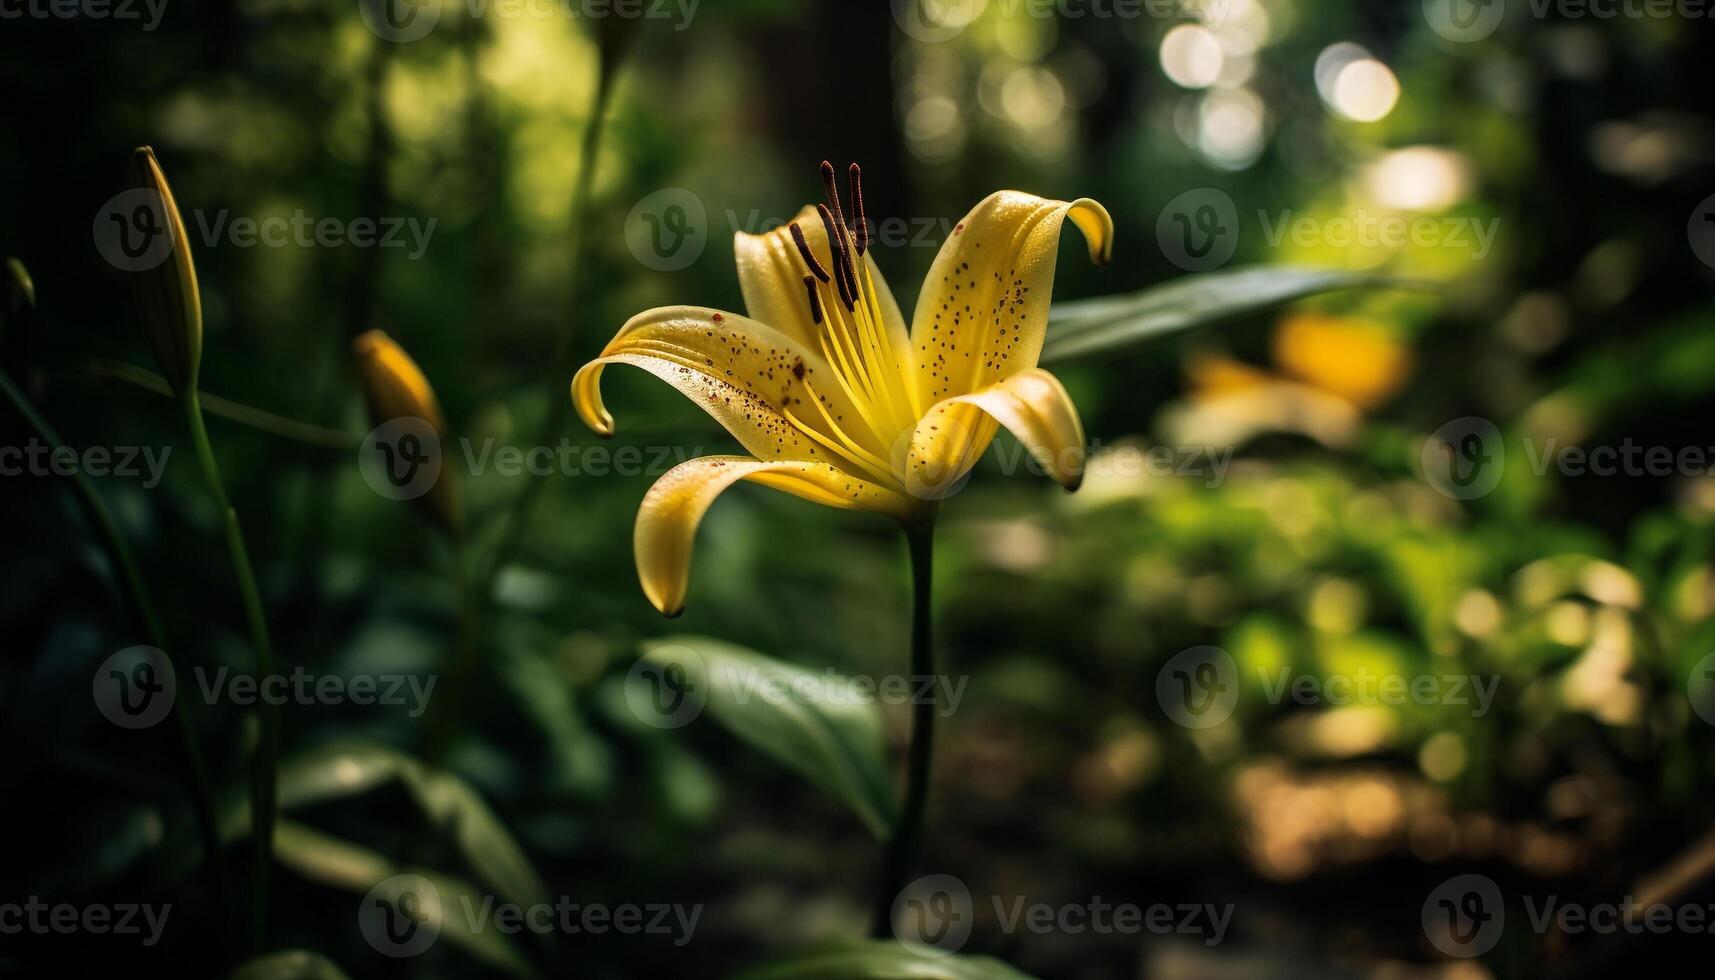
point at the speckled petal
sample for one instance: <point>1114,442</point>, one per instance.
<point>955,432</point>
<point>668,518</point>
<point>984,306</point>
<point>748,375</point>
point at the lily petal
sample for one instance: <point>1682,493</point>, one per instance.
<point>771,276</point>
<point>668,518</point>
<point>984,306</point>
<point>764,387</point>
<point>1032,405</point>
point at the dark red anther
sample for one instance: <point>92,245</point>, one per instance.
<point>804,252</point>
<point>832,191</point>
<point>815,300</point>
<point>861,232</point>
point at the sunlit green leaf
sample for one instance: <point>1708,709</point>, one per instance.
<point>291,964</point>
<point>450,804</point>
<point>456,914</point>
<point>807,720</point>
<point>881,959</point>
<point>1110,325</point>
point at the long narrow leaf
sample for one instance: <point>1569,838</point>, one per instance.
<point>1110,325</point>
<point>457,913</point>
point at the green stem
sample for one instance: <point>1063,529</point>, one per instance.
<point>195,772</point>
<point>518,515</point>
<point>235,411</point>
<point>262,775</point>
<point>902,848</point>
<point>444,714</point>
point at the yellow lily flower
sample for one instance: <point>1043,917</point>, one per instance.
<point>836,402</point>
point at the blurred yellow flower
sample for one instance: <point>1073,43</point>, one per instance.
<point>1356,359</point>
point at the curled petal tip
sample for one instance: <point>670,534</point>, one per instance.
<point>673,613</point>
<point>1097,226</point>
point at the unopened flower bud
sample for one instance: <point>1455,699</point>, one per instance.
<point>166,294</point>
<point>406,415</point>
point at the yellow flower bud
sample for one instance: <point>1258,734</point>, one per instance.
<point>17,302</point>
<point>167,294</point>
<point>20,289</point>
<point>395,389</point>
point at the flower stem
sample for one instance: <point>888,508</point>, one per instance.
<point>443,718</point>
<point>195,772</point>
<point>259,419</point>
<point>902,848</point>
<point>262,774</point>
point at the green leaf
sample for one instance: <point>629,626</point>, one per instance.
<point>291,964</point>
<point>457,914</point>
<point>806,720</point>
<point>450,804</point>
<point>1110,325</point>
<point>881,959</point>
<point>341,771</point>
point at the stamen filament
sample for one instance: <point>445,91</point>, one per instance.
<point>843,374</point>
<point>851,451</point>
